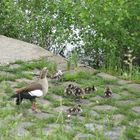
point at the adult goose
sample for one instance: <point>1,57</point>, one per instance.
<point>34,90</point>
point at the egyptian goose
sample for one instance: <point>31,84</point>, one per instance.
<point>74,110</point>
<point>34,90</point>
<point>108,92</point>
<point>90,89</point>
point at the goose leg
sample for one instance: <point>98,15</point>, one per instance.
<point>34,107</point>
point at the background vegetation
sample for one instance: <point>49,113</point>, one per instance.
<point>107,29</point>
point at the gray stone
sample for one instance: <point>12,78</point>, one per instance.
<point>96,98</point>
<point>104,107</point>
<point>118,118</point>
<point>19,131</point>
<point>135,122</point>
<point>68,127</point>
<point>123,82</point>
<point>125,93</point>
<point>81,136</point>
<point>50,128</point>
<point>85,102</point>
<point>58,59</point>
<point>136,87</point>
<point>61,108</point>
<point>116,96</point>
<point>47,131</point>
<point>42,115</point>
<point>94,113</point>
<point>20,51</point>
<point>44,102</point>
<point>25,124</point>
<point>106,76</point>
<point>115,133</point>
<point>126,102</point>
<point>92,127</point>
<point>136,109</point>
<point>56,97</point>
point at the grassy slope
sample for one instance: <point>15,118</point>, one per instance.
<point>11,116</point>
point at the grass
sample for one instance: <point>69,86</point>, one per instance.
<point>11,115</point>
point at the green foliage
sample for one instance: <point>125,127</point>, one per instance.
<point>107,28</point>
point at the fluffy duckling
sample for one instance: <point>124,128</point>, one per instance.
<point>90,89</point>
<point>74,110</point>
<point>57,75</point>
<point>78,92</point>
<point>69,90</point>
<point>75,91</point>
<point>108,92</point>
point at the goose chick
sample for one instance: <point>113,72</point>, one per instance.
<point>57,75</point>
<point>108,92</point>
<point>78,92</point>
<point>90,89</point>
<point>74,110</point>
<point>69,90</point>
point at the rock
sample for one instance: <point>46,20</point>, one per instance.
<point>20,50</point>
<point>81,136</point>
<point>136,109</point>
<point>25,124</point>
<point>117,118</point>
<point>42,115</point>
<point>44,102</point>
<point>125,93</point>
<point>106,76</point>
<point>115,133</point>
<point>85,102</point>
<point>94,113</point>
<point>135,122</point>
<point>56,97</point>
<point>135,87</point>
<point>19,131</point>
<point>61,108</point>
<point>96,98</point>
<point>49,129</point>
<point>123,82</point>
<point>116,96</point>
<point>104,107</point>
<point>126,102</point>
<point>92,127</point>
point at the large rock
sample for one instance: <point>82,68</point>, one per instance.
<point>12,50</point>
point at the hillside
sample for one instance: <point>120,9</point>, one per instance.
<point>102,118</point>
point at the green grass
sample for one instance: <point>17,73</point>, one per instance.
<point>13,116</point>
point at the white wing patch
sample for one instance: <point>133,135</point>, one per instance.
<point>37,93</point>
